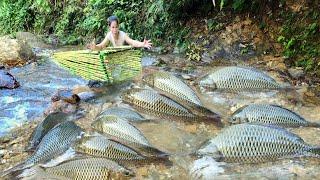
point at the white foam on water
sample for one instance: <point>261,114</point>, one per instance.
<point>7,99</point>
<point>205,168</point>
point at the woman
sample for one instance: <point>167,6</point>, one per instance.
<point>118,38</point>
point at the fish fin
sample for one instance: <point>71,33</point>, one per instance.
<point>69,154</point>
<point>239,110</point>
<point>30,173</point>
<point>15,168</point>
<point>278,106</point>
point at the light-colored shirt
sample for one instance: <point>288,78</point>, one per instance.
<point>120,41</point>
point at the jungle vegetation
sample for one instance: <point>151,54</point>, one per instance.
<point>164,21</point>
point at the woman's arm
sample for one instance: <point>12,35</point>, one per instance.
<point>100,46</point>
<point>135,43</point>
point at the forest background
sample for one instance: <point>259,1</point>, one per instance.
<point>171,24</point>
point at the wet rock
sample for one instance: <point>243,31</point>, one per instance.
<point>3,152</point>
<point>11,53</point>
<point>296,73</point>
<point>31,40</point>
<point>86,96</point>
<point>185,76</point>
<point>7,80</point>
<point>4,140</point>
<point>312,95</point>
<point>62,106</point>
<point>66,95</point>
<point>95,84</point>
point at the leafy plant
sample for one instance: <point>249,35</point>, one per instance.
<point>300,40</point>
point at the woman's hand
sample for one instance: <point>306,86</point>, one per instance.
<point>147,44</point>
<point>91,46</point>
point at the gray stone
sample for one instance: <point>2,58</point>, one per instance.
<point>296,73</point>
<point>14,52</point>
<point>31,40</point>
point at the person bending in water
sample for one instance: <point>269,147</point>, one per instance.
<point>118,38</point>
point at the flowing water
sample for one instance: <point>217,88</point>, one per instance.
<point>177,138</point>
<point>38,82</point>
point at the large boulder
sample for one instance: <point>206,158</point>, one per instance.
<point>14,53</point>
<point>31,40</point>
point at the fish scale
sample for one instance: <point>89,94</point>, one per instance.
<point>119,128</point>
<point>42,129</point>
<point>269,114</point>
<point>55,142</point>
<point>179,91</point>
<point>151,102</point>
<point>169,83</point>
<point>90,168</point>
<point>239,78</point>
<point>123,113</point>
<point>252,143</point>
<point>100,146</point>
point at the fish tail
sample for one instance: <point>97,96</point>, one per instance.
<point>14,169</point>
<point>30,173</point>
<point>315,151</point>
<point>154,152</point>
<point>313,124</point>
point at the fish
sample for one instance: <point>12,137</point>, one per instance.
<point>100,146</point>
<point>269,114</point>
<point>55,142</point>
<point>46,125</point>
<point>124,113</point>
<point>171,85</point>
<point>174,88</point>
<point>123,131</point>
<point>149,101</point>
<point>82,169</point>
<point>254,143</point>
<point>233,78</point>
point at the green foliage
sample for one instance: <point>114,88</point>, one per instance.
<point>14,16</point>
<point>300,40</point>
<point>77,21</point>
<point>194,52</point>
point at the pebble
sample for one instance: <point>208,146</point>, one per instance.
<point>3,152</point>
<point>4,140</point>
<point>185,76</point>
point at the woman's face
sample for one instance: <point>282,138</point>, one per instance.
<point>114,27</point>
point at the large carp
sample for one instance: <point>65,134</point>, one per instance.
<point>100,146</point>
<point>81,169</point>
<point>148,101</point>
<point>235,78</point>
<point>123,131</point>
<point>251,143</point>
<point>177,90</point>
<point>269,114</point>
<point>45,126</point>
<point>54,143</point>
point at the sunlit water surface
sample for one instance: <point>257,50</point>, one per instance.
<point>38,82</point>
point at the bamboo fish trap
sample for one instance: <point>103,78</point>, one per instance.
<point>113,64</point>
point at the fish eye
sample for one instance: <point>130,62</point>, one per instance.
<point>235,120</point>
<point>127,173</point>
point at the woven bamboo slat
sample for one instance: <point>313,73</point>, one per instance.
<point>113,64</point>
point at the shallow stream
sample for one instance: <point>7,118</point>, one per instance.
<point>39,82</point>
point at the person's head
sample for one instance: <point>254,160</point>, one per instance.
<point>113,23</point>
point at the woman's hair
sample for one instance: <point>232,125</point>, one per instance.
<point>112,18</point>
